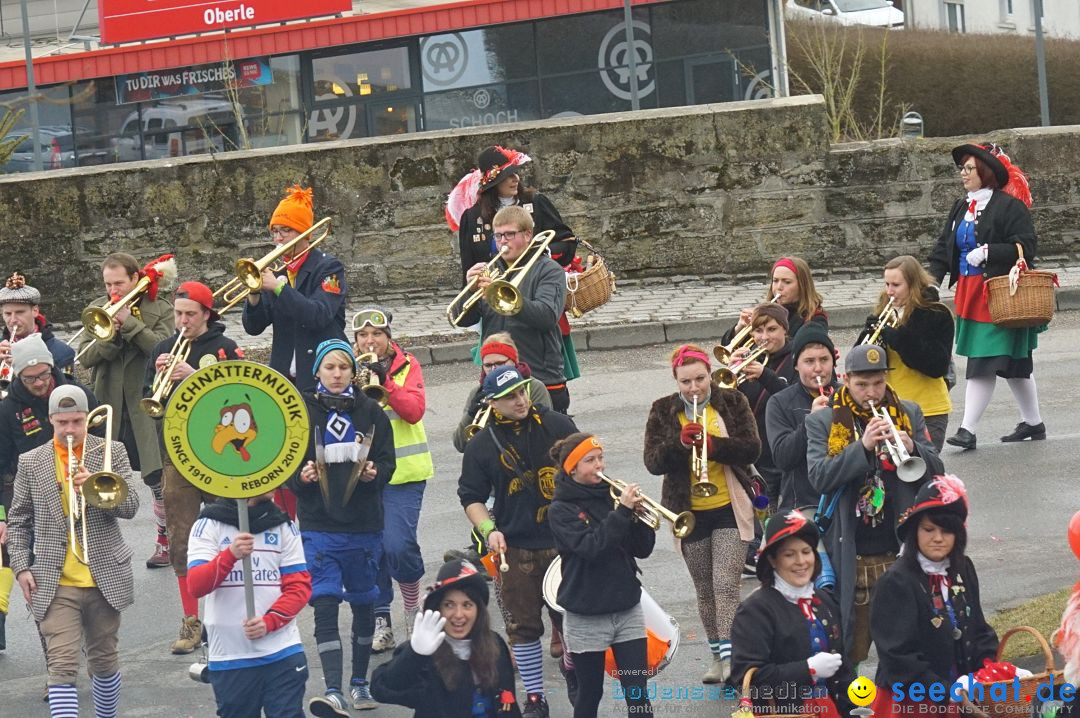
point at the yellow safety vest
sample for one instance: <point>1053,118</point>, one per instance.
<point>410,444</point>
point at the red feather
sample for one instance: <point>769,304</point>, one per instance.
<point>1018,182</point>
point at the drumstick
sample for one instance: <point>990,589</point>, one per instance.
<point>503,565</point>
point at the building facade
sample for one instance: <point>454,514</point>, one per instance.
<point>1017,17</point>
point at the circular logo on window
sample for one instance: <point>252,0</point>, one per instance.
<point>236,429</point>
<point>444,58</point>
<point>613,60</point>
<point>759,87</point>
<point>481,99</point>
<point>326,123</point>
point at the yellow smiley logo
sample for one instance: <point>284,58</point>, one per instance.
<point>862,691</point>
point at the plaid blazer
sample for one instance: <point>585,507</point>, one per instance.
<point>38,529</point>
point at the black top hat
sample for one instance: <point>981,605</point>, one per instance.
<point>780,528</point>
<point>495,164</point>
<point>942,492</point>
<point>461,575</point>
<point>988,154</point>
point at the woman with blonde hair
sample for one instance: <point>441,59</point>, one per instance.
<point>791,285</point>
<point>918,343</point>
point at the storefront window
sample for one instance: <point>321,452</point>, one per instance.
<point>489,105</point>
<point>589,94</point>
<point>392,118</point>
<point>98,121</point>
<point>360,74</point>
<point>337,121</point>
<point>477,57</point>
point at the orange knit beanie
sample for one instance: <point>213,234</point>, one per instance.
<point>296,210</point>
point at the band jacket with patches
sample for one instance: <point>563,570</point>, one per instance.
<point>118,367</point>
<point>1003,223</point>
<point>475,239</point>
<point>915,644</point>
<point>665,455</point>
<point>522,497</point>
<point>303,316</point>
<point>38,529</point>
<point>598,544</point>
<point>208,348</point>
<point>63,355</point>
<point>24,425</point>
<point>771,634</point>
<point>364,512</point>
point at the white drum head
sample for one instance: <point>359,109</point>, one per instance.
<point>550,586</point>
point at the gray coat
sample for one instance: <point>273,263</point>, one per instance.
<point>117,369</point>
<point>38,528</point>
<point>846,471</point>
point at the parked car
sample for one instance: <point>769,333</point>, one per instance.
<point>879,13</point>
<point>56,147</point>
<point>174,129</point>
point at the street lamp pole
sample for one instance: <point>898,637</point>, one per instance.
<point>631,55</point>
<point>1040,64</point>
<point>31,90</point>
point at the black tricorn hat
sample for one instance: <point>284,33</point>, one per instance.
<point>988,154</point>
<point>944,491</point>
<point>780,528</point>
<point>495,164</point>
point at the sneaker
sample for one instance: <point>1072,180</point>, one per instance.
<point>535,706</point>
<point>361,697</point>
<point>1025,430</point>
<point>191,629</point>
<point>718,672</point>
<point>328,706</point>
<point>160,557</point>
<point>383,638</point>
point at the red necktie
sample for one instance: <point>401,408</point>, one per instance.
<point>939,584</point>
<point>971,207</point>
<point>806,608</point>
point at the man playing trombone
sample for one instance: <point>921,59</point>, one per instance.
<point>81,576</point>
<point>199,341</point>
<point>869,446</point>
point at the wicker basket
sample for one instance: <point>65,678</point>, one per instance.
<point>1030,303</point>
<point>743,711</point>
<point>1011,708</point>
<point>590,289</point>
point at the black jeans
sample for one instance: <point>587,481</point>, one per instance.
<point>560,399</point>
<point>631,658</point>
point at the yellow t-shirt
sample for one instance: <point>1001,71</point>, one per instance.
<point>74,572</point>
<point>930,394</point>
<point>717,471</point>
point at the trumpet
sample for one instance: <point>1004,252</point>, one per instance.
<point>723,352</point>
<point>469,294</point>
<point>479,422</point>
<point>102,489</point>
<point>699,461</point>
<point>731,376</point>
<point>908,468</point>
<point>154,405</point>
<point>368,382</point>
<point>248,277</point>
<point>651,512</point>
<point>889,317</point>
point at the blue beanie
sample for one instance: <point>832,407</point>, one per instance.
<point>328,346</point>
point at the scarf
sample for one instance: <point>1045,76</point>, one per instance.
<point>688,406</point>
<point>462,647</point>
<point>933,568</point>
<point>793,594</point>
<point>339,436</point>
<point>845,410</point>
<point>262,516</point>
<point>977,202</point>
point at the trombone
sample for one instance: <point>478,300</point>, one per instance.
<point>154,405</point>
<point>699,461</point>
<point>651,512</point>
<point>723,352</point>
<point>470,294</point>
<point>248,277</point>
<point>731,376</point>
<point>367,381</point>
<point>889,317</point>
<point>908,468</point>
<point>103,489</point>
<point>76,507</point>
<point>479,422</point>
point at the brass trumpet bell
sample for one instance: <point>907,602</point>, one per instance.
<point>368,383</point>
<point>99,320</point>
<point>652,512</point>
<point>105,490</point>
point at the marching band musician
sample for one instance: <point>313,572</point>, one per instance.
<point>20,307</point>
<point>74,603</point>
<point>400,376</point>
<point>600,592</point>
<point>785,414</point>
<point>342,533</point>
<point>535,328</point>
<point>305,304</point>
<point>791,285</point>
<point>195,319</point>
<point>24,426</point>
<point>919,347</point>
<point>117,369</point>
<point>845,452</point>
<point>789,632</point>
<point>511,460</point>
<point>715,551</point>
<point>497,350</point>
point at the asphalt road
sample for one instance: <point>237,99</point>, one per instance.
<point>1022,497</point>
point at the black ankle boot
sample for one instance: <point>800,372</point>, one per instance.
<point>1025,430</point>
<point>963,438</point>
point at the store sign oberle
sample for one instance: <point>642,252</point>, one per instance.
<point>133,20</point>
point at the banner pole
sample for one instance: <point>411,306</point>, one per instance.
<point>245,528</point>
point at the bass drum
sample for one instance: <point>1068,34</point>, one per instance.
<point>661,629</point>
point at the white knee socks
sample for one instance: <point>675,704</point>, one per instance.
<point>1027,398</point>
<point>977,397</point>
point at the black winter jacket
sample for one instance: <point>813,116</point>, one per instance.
<point>598,545</point>
<point>411,680</point>
<point>777,375</point>
<point>364,512</point>
<point>522,494</point>
<point>924,342</point>
<point>785,426</point>
<point>475,240</point>
<point>1004,222</point>
<point>211,343</point>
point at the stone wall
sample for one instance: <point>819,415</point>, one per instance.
<point>704,190</point>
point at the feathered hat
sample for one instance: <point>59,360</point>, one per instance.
<point>162,274</point>
<point>780,528</point>
<point>944,491</point>
<point>493,164</point>
<point>1011,178</point>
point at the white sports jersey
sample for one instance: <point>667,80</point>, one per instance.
<point>277,552</point>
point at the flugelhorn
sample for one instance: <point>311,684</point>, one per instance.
<point>154,405</point>
<point>889,317</point>
<point>908,468</point>
<point>368,382</point>
<point>732,375</point>
<point>650,512</point>
<point>248,277</point>
<point>480,420</point>
<point>469,294</point>
<point>699,459</point>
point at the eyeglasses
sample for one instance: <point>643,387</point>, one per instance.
<point>489,366</point>
<point>967,169</point>
<point>36,378</point>
<point>282,231</point>
<point>507,235</point>
<point>372,317</point>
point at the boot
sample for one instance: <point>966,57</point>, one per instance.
<point>556,647</point>
<point>190,636</point>
<point>719,671</point>
<point>160,557</point>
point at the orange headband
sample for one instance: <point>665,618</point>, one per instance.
<point>579,453</point>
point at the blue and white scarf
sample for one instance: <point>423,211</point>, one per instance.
<point>339,434</point>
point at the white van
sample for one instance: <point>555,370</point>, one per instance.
<point>181,127</point>
<point>879,13</point>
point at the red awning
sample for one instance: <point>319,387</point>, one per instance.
<point>160,55</point>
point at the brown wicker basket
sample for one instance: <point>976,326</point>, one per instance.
<point>1029,304</point>
<point>742,713</point>
<point>590,289</point>
<point>1028,686</point>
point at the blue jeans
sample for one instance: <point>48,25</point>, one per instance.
<point>276,688</point>
<point>343,565</point>
<point>401,559</point>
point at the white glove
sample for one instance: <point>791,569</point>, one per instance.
<point>1023,673</point>
<point>824,665</point>
<point>977,256</point>
<point>427,633</point>
<point>963,683</point>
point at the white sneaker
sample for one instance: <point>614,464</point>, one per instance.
<point>383,638</point>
